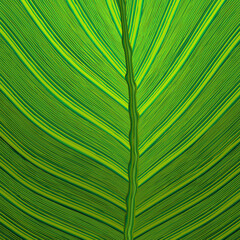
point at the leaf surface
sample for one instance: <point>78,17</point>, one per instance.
<point>67,158</point>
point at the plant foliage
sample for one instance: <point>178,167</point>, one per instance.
<point>76,76</point>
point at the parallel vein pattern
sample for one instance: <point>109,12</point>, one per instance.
<point>119,119</point>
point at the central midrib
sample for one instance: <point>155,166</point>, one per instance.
<point>133,134</point>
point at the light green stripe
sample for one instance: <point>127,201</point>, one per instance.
<point>58,199</point>
<point>176,66</point>
<point>55,171</point>
<point>44,217</point>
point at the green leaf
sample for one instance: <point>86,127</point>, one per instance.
<point>119,119</point>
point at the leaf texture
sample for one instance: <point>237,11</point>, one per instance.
<point>119,119</point>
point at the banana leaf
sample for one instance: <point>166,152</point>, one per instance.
<point>120,119</point>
